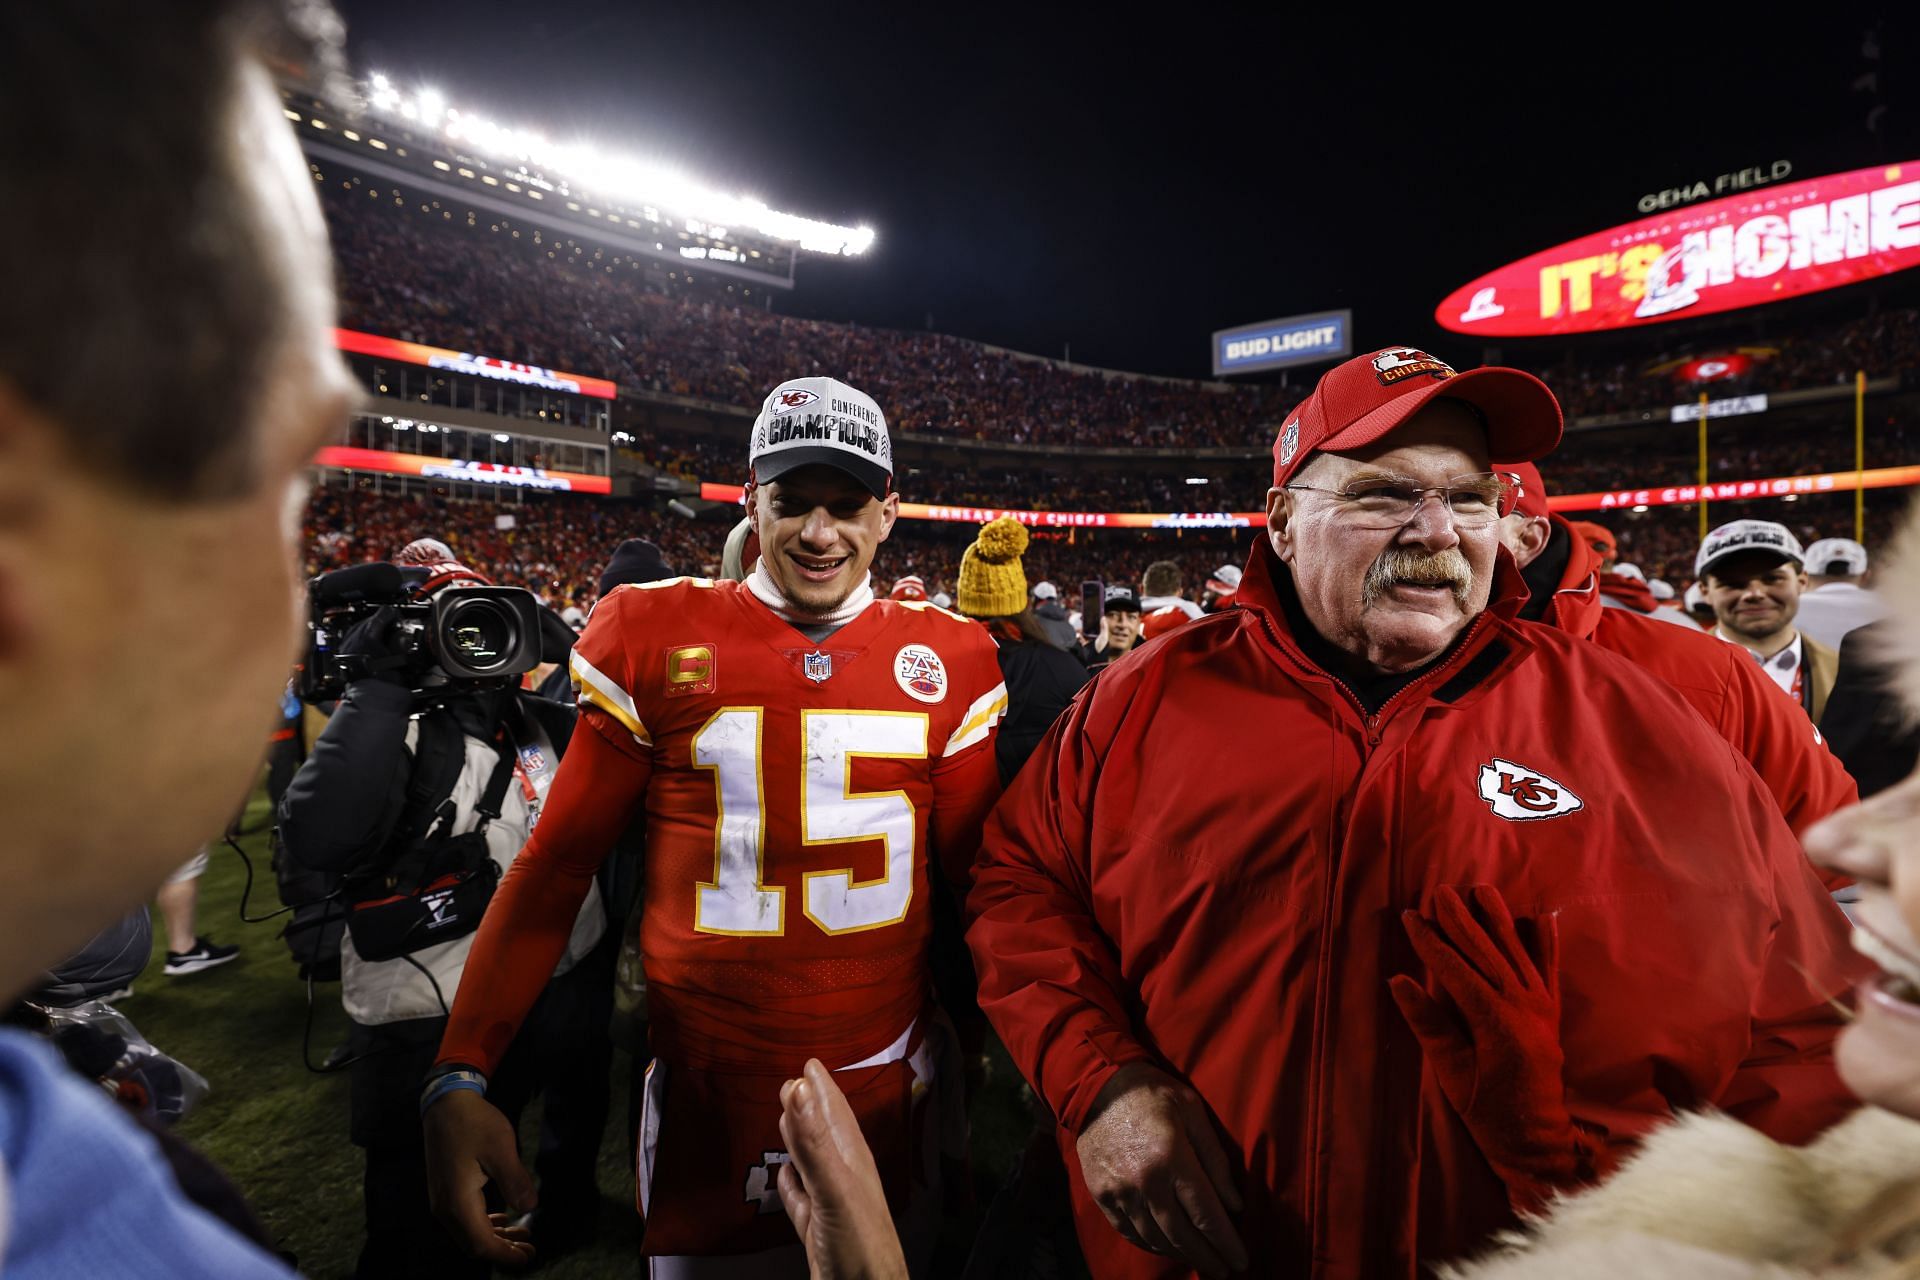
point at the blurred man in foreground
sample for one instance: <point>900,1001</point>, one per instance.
<point>1310,1018</point>
<point>164,379</point>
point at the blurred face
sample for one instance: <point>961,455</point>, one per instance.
<point>1877,842</point>
<point>144,640</point>
<point>818,529</point>
<point>1393,599</point>
<point>1755,595</point>
<point>1123,628</point>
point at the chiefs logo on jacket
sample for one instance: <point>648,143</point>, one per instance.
<point>1520,794</point>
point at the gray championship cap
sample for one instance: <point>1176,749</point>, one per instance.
<point>809,421</point>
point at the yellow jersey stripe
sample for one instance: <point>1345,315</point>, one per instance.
<point>597,690</point>
<point>979,720</point>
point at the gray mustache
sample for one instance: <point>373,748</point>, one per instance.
<point>1446,568</point>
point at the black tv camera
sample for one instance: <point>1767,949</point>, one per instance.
<point>463,637</point>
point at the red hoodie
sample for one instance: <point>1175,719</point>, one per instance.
<point>1222,896</point>
<point>1719,680</point>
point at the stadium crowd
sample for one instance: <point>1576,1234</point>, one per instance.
<point>427,269</point>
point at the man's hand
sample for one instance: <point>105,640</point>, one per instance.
<point>1156,1168</point>
<point>1490,1032</point>
<point>469,1143</point>
<point>831,1189</point>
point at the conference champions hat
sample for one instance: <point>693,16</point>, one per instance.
<point>1360,400</point>
<point>1121,599</point>
<point>1824,554</point>
<point>1739,536</point>
<point>809,421</point>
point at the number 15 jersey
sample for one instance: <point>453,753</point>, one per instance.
<point>792,794</point>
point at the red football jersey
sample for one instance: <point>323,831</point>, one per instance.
<point>794,793</point>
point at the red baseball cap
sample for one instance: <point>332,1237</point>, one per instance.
<point>1532,490</point>
<point>1361,400</point>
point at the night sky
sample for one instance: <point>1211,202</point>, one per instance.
<point>1040,179</point>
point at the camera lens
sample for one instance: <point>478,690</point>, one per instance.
<point>479,634</point>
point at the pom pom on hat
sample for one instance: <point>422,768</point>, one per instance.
<point>992,582</point>
<point>1002,541</point>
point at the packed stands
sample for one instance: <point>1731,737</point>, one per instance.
<point>429,270</point>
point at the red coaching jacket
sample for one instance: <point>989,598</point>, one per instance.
<point>1222,896</point>
<point>1719,680</point>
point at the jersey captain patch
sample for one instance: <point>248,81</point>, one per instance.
<point>920,673</point>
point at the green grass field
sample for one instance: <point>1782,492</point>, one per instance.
<point>280,1132</point>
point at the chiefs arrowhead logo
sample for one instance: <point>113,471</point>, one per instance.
<point>1398,363</point>
<point>1520,794</point>
<point>791,399</point>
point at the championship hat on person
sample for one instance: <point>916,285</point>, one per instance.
<point>822,420</point>
<point>1121,600</point>
<point>909,587</point>
<point>1836,558</point>
<point>1530,491</point>
<point>1740,536</point>
<point>1357,402</point>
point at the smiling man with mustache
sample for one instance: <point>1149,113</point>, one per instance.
<point>1340,983</point>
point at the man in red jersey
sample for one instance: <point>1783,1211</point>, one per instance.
<point>801,753</point>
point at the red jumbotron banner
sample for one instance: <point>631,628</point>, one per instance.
<point>1763,246</point>
<point>493,473</point>
<point>1048,519</point>
<point>1736,490</point>
<point>528,375</point>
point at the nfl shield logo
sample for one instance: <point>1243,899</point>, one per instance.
<point>819,666</point>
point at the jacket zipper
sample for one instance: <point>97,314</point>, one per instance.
<point>1373,723</point>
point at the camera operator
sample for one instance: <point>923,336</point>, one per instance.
<point>413,756</point>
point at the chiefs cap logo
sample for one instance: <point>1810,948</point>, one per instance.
<point>792,398</point>
<point>1520,794</point>
<point>1397,364</point>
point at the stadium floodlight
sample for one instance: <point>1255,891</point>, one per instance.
<point>624,180</point>
<point>1196,480</point>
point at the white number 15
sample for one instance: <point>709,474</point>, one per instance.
<point>738,900</point>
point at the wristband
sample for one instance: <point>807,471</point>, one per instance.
<point>451,1082</point>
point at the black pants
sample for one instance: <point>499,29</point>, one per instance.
<point>562,1052</point>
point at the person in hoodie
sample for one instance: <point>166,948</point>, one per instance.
<point>1241,1008</point>
<point>1562,572</point>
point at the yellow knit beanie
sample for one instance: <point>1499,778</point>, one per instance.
<point>992,583</point>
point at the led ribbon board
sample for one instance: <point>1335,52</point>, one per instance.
<point>1764,246</point>
<point>527,375</point>
<point>492,473</point>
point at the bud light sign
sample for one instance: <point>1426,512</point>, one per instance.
<point>1763,246</point>
<point>1281,344</point>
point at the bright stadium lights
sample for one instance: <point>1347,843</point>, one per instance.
<point>625,180</point>
<point>1196,480</point>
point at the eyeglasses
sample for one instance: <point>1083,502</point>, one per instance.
<point>1472,501</point>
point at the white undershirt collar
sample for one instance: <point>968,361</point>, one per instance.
<point>767,592</point>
